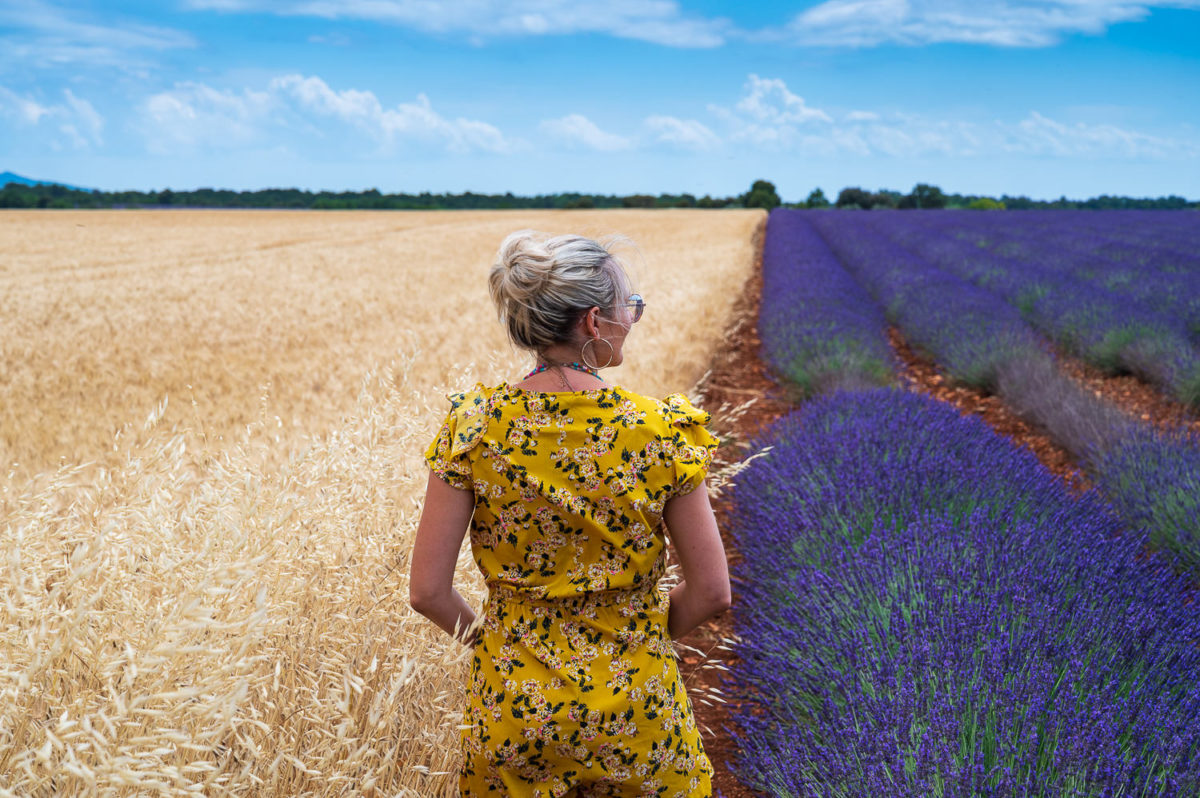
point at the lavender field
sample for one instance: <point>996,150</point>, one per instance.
<point>925,608</point>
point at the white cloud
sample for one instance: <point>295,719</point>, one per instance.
<point>75,118</point>
<point>363,110</point>
<point>23,109</point>
<point>45,34</point>
<point>86,117</point>
<point>351,104</point>
<point>196,116</point>
<point>834,23</point>
<point>770,117</point>
<point>1040,135</point>
<point>578,130</point>
<point>910,138</point>
<point>686,133</point>
<point>768,100</point>
<point>658,21</point>
<point>919,136</point>
<point>999,23</point>
<point>915,136</point>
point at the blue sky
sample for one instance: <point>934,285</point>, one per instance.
<point>1074,97</point>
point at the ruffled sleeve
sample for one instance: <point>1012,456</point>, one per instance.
<point>448,455</point>
<point>694,445</point>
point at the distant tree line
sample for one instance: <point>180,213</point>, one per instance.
<point>762,194</point>
<point>17,195</point>
<point>925,196</point>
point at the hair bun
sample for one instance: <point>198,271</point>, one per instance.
<point>527,265</point>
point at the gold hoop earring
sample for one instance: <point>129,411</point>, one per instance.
<point>583,353</point>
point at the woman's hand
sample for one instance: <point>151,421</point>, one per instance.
<point>704,591</point>
<point>444,520</point>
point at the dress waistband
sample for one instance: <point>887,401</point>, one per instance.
<point>644,596</point>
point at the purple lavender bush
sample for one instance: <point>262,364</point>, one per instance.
<point>1083,291</point>
<point>1153,481</point>
<point>966,329</point>
<point>819,329</point>
<point>926,611</point>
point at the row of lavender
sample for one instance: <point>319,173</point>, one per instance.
<point>816,329</point>
<point>1152,259</point>
<point>926,611</point>
<point>1119,305</point>
<point>1152,478</point>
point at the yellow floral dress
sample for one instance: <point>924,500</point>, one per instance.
<point>574,688</point>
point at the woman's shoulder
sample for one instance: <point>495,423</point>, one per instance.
<point>465,423</point>
<point>683,429</point>
<point>677,407</point>
<point>680,410</point>
<point>471,397</point>
<point>673,410</point>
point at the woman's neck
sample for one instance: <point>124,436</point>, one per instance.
<point>551,375</point>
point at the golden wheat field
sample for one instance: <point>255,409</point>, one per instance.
<point>212,424</point>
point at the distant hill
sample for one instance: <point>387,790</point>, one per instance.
<point>10,177</point>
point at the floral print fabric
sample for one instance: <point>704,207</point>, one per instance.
<point>574,688</point>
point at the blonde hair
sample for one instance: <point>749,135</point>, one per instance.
<point>542,285</point>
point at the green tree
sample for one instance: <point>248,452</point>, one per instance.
<point>816,199</point>
<point>924,195</point>
<point>762,194</point>
<point>1019,203</point>
<point>855,197</point>
<point>14,196</point>
<point>885,199</point>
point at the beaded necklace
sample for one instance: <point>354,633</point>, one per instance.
<point>576,366</point>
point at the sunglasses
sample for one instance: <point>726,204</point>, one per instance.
<point>637,305</point>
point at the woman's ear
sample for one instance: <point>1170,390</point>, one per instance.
<point>591,322</point>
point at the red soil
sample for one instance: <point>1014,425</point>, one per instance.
<point>1132,395</point>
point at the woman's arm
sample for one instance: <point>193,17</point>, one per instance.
<point>704,591</point>
<point>444,520</point>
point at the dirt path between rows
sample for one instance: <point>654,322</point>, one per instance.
<point>919,374</point>
<point>743,400</point>
<point>1138,399</point>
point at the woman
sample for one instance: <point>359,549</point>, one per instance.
<point>563,480</point>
